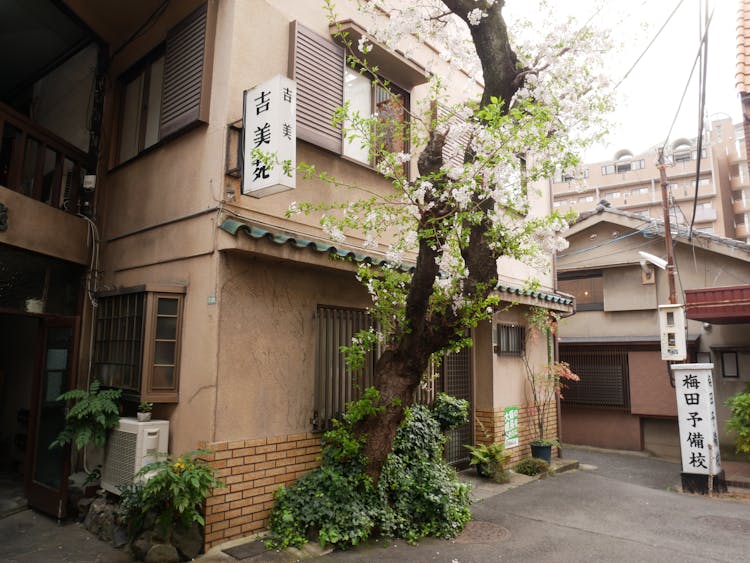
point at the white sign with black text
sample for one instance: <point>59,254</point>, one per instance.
<point>696,413</point>
<point>269,137</point>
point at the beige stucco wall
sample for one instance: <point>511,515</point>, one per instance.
<point>267,338</point>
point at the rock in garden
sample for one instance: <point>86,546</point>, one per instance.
<point>188,541</point>
<point>162,553</point>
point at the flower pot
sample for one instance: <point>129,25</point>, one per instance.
<point>143,416</point>
<point>542,452</point>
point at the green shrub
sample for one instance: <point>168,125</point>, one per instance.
<point>417,495</point>
<point>421,494</point>
<point>176,489</point>
<point>89,420</point>
<point>739,421</point>
<point>450,412</point>
<point>531,466</point>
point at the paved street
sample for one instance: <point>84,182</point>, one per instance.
<point>620,507</point>
<point>624,510</point>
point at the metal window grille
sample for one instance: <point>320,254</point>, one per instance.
<point>336,384</point>
<point>511,340</point>
<point>604,377</point>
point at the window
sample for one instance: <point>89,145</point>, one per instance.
<point>368,98</point>
<point>729,364</point>
<point>587,287</point>
<point>701,182</point>
<point>325,82</point>
<point>608,169</point>
<point>682,156</point>
<point>510,340</point>
<point>641,191</point>
<point>141,109</point>
<point>137,342</point>
<point>694,154</point>
<point>603,374</point>
<point>614,195</point>
<point>164,93</point>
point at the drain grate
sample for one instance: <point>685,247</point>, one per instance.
<point>478,531</point>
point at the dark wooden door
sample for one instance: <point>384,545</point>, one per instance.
<point>47,478</point>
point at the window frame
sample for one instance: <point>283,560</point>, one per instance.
<point>141,68</point>
<point>184,98</point>
<point>393,91</point>
<point>510,339</point>
<point>574,276</point>
<point>144,361</point>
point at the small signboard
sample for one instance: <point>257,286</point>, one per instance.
<point>511,427</point>
<point>269,137</point>
<point>696,413</point>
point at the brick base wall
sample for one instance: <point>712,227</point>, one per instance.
<point>252,471</point>
<point>493,421</point>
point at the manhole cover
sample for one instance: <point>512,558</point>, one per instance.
<point>477,531</point>
<point>737,525</point>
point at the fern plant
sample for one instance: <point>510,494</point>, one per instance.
<point>89,420</point>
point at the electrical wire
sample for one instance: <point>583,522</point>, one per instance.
<point>605,243</point>
<point>687,84</point>
<point>649,45</point>
<point>702,107</point>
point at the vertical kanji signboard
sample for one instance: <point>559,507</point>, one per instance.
<point>699,438</point>
<point>269,137</point>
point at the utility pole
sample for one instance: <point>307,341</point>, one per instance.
<point>667,227</point>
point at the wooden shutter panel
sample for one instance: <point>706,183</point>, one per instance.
<point>317,65</point>
<point>453,150</point>
<point>187,66</point>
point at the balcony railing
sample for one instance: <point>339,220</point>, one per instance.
<point>38,164</point>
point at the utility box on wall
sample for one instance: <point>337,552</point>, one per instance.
<point>672,332</point>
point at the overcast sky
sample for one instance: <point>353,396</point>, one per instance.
<point>649,96</point>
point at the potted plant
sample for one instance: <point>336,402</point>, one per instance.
<point>144,411</point>
<point>89,420</point>
<point>544,384</point>
<point>739,421</point>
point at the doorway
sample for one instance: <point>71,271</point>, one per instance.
<point>457,382</point>
<point>36,365</point>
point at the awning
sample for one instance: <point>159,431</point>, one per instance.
<point>719,305</point>
<point>557,302</point>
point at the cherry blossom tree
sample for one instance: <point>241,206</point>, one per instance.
<point>541,100</point>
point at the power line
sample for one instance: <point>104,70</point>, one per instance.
<point>702,107</point>
<point>649,45</point>
<point>687,84</point>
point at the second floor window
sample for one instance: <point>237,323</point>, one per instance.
<point>164,93</point>
<point>368,98</point>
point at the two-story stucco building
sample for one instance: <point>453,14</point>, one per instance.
<point>130,254</point>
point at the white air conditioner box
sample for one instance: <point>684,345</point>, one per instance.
<point>131,446</point>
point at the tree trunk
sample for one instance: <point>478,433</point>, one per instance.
<point>399,370</point>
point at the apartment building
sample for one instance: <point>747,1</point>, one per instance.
<point>631,182</point>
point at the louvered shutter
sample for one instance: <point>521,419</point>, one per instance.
<point>455,145</point>
<point>187,64</point>
<point>317,65</point>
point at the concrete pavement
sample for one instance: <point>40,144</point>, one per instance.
<point>621,507</point>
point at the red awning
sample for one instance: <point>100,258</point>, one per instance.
<point>719,305</point>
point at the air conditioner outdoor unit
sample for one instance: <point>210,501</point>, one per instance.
<point>131,446</point>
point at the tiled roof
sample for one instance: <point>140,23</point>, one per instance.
<point>233,226</point>
<point>743,47</point>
